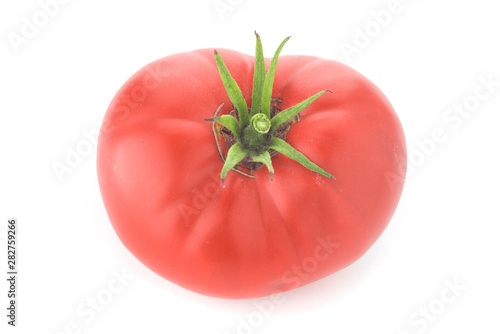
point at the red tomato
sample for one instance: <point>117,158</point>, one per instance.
<point>159,175</point>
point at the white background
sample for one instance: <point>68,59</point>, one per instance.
<point>429,57</point>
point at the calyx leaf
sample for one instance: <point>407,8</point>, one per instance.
<point>254,130</point>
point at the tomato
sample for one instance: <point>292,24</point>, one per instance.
<point>159,171</point>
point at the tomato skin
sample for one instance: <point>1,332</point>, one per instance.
<point>159,176</point>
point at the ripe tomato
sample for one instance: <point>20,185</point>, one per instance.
<point>159,174</point>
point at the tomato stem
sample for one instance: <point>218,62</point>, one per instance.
<point>254,130</point>
<point>256,134</point>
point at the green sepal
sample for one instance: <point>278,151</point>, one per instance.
<point>254,138</point>
<point>229,122</point>
<point>259,76</point>
<point>284,148</point>
<point>233,90</point>
<point>265,158</point>
<point>267,89</point>
<point>234,155</point>
<point>287,114</point>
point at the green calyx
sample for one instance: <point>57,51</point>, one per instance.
<point>254,130</point>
